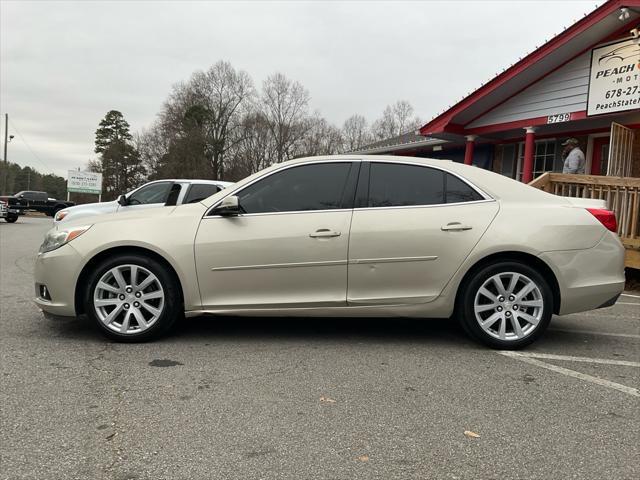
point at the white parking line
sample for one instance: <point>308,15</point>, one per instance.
<point>628,303</point>
<point>572,373</point>
<point>628,295</point>
<point>549,356</point>
<point>591,332</point>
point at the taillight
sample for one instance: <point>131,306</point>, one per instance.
<point>606,218</point>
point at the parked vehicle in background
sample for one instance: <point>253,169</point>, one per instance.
<point>154,194</point>
<point>36,201</point>
<point>343,236</point>
<point>8,209</point>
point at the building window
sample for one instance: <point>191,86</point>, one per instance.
<point>544,158</point>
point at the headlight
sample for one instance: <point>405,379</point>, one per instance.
<point>61,214</point>
<point>57,238</point>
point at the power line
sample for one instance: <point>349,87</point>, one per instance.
<point>13,125</point>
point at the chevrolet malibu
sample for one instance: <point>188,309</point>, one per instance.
<point>342,236</point>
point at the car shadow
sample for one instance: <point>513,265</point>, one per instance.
<point>314,329</point>
<point>228,329</point>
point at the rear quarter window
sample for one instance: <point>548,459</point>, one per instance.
<point>458,191</point>
<point>200,191</point>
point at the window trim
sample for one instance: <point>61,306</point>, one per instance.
<point>364,170</point>
<point>485,197</point>
<point>349,184</point>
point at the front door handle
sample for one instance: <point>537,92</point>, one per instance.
<point>324,233</point>
<point>455,227</point>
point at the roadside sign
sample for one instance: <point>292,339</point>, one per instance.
<point>84,182</point>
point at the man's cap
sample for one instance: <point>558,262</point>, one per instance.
<point>570,141</point>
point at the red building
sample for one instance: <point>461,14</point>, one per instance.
<point>583,83</point>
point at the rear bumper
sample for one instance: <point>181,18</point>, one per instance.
<point>58,270</point>
<point>591,278</point>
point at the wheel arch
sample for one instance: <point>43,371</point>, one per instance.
<point>522,257</point>
<point>82,282</point>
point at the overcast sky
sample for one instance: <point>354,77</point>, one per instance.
<point>65,64</point>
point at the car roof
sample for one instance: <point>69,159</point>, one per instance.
<point>192,180</point>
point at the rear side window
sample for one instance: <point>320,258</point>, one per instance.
<point>458,191</point>
<point>308,187</point>
<point>394,185</point>
<point>200,191</point>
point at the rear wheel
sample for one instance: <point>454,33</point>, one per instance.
<point>132,298</point>
<point>506,305</point>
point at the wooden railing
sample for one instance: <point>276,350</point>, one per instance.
<point>622,195</point>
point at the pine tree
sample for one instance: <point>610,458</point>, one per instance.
<point>119,163</point>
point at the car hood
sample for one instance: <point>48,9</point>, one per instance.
<point>93,207</point>
<point>197,209</point>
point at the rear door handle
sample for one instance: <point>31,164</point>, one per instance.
<point>324,233</point>
<point>455,227</point>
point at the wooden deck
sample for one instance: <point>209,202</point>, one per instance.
<point>622,195</point>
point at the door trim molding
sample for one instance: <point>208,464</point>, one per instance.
<point>361,261</point>
<point>279,265</point>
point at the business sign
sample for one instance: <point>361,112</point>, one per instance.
<point>84,182</point>
<point>614,81</point>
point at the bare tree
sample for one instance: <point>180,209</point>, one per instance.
<point>321,138</point>
<point>221,90</point>
<point>355,133</point>
<point>254,149</point>
<point>202,118</point>
<point>153,145</point>
<point>396,119</point>
<point>285,104</point>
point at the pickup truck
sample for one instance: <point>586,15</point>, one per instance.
<point>8,209</point>
<point>38,201</point>
<point>159,193</point>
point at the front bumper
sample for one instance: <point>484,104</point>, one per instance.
<point>58,271</point>
<point>591,278</point>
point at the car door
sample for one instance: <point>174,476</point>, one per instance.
<point>289,248</point>
<point>151,195</point>
<point>412,228</point>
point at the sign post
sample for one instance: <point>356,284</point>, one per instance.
<point>84,182</point>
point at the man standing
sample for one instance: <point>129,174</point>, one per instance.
<point>573,157</point>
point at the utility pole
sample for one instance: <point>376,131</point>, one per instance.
<point>6,163</point>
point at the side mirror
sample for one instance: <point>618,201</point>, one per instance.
<point>230,206</point>
<point>122,200</point>
<point>21,196</point>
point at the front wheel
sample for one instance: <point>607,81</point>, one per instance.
<point>132,298</point>
<point>12,219</point>
<point>506,305</point>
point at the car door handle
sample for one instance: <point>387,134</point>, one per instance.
<point>324,233</point>
<point>455,227</point>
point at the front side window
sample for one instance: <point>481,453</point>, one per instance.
<point>319,186</point>
<point>152,193</point>
<point>394,185</point>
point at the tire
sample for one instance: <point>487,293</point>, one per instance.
<point>108,306</point>
<point>510,318</point>
<point>11,219</point>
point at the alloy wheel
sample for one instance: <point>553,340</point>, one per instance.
<point>128,299</point>
<point>509,306</point>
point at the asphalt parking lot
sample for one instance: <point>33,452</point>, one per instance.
<point>311,398</point>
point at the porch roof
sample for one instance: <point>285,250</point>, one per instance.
<point>600,25</point>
